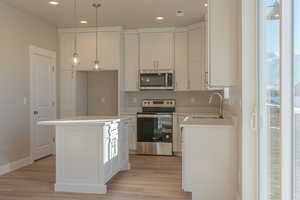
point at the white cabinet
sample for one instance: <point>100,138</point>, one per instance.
<point>66,44</point>
<point>86,45</point>
<point>223,42</point>
<point>209,161</point>
<point>181,60</point>
<point>191,58</point>
<point>196,58</point>
<point>67,94</point>
<point>72,93</point>
<point>177,134</point>
<point>131,55</point>
<point>156,50</point>
<point>109,44</point>
<point>109,50</point>
<point>132,132</point>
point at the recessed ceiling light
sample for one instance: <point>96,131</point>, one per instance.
<point>206,5</point>
<point>54,3</point>
<point>83,21</point>
<point>160,18</point>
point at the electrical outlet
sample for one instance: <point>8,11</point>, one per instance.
<point>193,100</point>
<point>103,100</point>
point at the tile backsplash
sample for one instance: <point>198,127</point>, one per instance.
<point>192,101</point>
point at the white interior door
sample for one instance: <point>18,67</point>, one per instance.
<point>42,101</point>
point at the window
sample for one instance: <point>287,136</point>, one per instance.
<point>296,44</point>
<point>269,99</point>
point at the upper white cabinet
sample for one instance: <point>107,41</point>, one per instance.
<point>196,51</point>
<point>156,50</point>
<point>131,55</point>
<point>109,50</point>
<point>181,60</point>
<point>86,45</point>
<point>223,37</point>
<point>66,44</point>
<point>190,58</point>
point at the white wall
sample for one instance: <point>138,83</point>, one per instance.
<point>190,102</point>
<point>102,93</point>
<point>18,31</point>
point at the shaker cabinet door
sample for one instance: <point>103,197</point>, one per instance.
<point>196,59</point>
<point>223,42</point>
<point>156,50</point>
<point>131,61</point>
<point>181,61</point>
<point>87,50</point>
<point>109,44</point>
<point>66,43</point>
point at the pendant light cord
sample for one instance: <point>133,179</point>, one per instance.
<point>75,24</point>
<point>97,6</point>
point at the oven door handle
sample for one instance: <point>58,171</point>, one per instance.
<point>154,116</point>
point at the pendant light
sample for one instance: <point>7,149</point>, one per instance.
<point>96,63</point>
<point>75,53</point>
<point>275,13</point>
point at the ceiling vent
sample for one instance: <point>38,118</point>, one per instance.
<point>179,13</point>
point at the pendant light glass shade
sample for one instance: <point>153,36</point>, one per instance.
<point>96,66</point>
<point>96,63</point>
<point>75,59</point>
<point>275,12</point>
<point>75,54</point>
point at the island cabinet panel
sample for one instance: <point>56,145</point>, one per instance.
<point>156,51</point>
<point>89,154</point>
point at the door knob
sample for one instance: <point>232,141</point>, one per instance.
<point>35,112</point>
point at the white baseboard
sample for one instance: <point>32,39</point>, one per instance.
<point>84,188</point>
<point>4,169</point>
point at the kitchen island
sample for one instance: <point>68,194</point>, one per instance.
<point>90,150</point>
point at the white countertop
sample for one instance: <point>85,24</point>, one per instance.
<point>190,121</point>
<point>83,120</point>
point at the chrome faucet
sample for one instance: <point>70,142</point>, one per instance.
<point>221,110</point>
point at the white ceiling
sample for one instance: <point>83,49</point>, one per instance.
<point>127,13</point>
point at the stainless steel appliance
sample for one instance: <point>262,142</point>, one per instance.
<point>155,127</point>
<point>156,80</point>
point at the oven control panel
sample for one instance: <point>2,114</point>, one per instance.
<point>159,103</point>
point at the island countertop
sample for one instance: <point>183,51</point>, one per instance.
<point>82,120</point>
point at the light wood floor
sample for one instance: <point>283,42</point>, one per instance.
<point>151,178</point>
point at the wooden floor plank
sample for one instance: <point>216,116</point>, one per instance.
<point>150,178</point>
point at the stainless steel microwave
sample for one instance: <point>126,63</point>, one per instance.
<point>156,80</point>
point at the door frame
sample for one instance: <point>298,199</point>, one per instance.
<point>250,137</point>
<point>33,50</point>
<point>249,141</point>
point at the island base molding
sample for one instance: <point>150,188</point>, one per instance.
<point>81,188</point>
